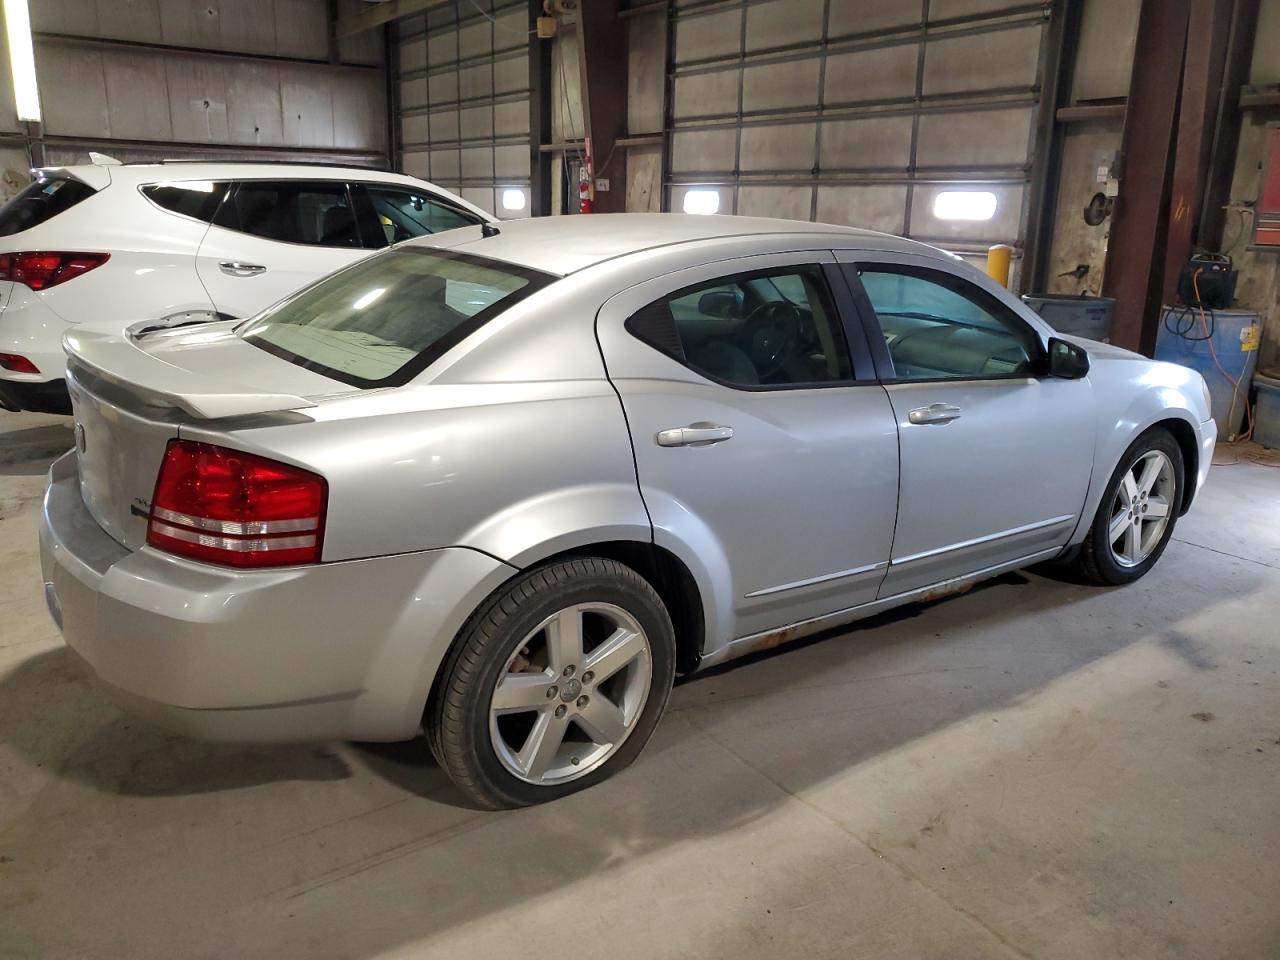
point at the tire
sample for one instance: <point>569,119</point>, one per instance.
<point>1099,560</point>
<point>515,680</point>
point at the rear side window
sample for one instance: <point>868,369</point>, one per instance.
<point>381,321</point>
<point>309,212</point>
<point>198,199</point>
<point>40,201</point>
<point>402,214</point>
<point>768,329</point>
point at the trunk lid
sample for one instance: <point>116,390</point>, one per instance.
<point>131,395</point>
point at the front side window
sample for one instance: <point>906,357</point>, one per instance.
<point>403,214</point>
<point>312,212</point>
<point>40,201</point>
<point>938,326</point>
<point>767,328</point>
<point>381,321</point>
<point>198,199</point>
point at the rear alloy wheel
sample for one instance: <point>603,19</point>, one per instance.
<point>554,684</point>
<point>1139,508</point>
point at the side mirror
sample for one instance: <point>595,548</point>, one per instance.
<point>1066,360</point>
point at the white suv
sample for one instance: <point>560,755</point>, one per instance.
<point>178,241</point>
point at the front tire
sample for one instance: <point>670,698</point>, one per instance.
<point>1138,511</point>
<point>554,684</point>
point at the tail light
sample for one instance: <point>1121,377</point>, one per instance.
<point>17,363</point>
<point>46,269</point>
<point>236,509</point>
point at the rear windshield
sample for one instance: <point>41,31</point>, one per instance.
<point>39,201</point>
<point>382,321</point>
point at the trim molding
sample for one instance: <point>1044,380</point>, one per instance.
<point>813,581</point>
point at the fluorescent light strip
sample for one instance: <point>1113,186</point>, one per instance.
<point>22,60</point>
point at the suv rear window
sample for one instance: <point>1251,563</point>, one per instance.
<point>382,321</point>
<point>40,201</point>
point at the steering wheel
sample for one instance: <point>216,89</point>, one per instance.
<point>771,331</point>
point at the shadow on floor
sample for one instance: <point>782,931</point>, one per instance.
<point>798,716</point>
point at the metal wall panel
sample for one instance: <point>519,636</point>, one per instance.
<point>156,78</point>
<point>856,111</point>
<point>463,115</point>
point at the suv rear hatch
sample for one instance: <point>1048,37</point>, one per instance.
<point>130,397</point>
<point>54,191</point>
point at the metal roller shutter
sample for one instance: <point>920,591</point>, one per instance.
<point>857,111</point>
<point>462,81</point>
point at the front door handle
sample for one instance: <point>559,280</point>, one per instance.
<point>934,413</point>
<point>700,434</point>
<point>237,269</point>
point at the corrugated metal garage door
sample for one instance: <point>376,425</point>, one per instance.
<point>857,111</point>
<point>463,89</point>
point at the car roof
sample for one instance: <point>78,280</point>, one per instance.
<point>566,244</point>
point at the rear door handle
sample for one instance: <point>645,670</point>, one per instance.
<point>700,434</point>
<point>934,413</point>
<point>237,269</point>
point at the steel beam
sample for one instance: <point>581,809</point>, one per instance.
<point>1135,254</point>
<point>602,61</point>
<point>1058,59</point>
<point>1226,134</point>
<point>539,116</point>
<point>1208,29</point>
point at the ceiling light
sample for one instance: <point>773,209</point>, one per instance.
<point>22,61</point>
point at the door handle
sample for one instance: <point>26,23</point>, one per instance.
<point>934,413</point>
<point>700,434</point>
<point>237,269</point>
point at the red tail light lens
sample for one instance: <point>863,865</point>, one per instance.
<point>236,509</point>
<point>45,269</point>
<point>17,363</point>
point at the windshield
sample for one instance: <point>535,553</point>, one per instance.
<point>41,201</point>
<point>382,321</point>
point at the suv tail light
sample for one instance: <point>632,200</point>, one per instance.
<point>46,269</point>
<point>236,509</point>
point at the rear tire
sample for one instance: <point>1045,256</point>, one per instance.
<point>1137,513</point>
<point>554,684</point>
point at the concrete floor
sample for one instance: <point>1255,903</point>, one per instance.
<point>1036,769</point>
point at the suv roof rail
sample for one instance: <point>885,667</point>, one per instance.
<point>285,163</point>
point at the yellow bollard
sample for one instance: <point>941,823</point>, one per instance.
<point>998,259</point>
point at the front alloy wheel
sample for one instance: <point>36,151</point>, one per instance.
<point>1139,508</point>
<point>554,684</point>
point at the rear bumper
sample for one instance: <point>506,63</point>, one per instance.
<point>49,396</point>
<point>344,650</point>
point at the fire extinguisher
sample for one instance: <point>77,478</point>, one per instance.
<point>585,203</point>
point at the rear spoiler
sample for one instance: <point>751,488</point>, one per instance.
<point>96,176</point>
<point>119,360</point>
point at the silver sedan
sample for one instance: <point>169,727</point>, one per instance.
<point>505,486</point>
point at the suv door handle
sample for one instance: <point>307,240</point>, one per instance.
<point>237,269</point>
<point>934,413</point>
<point>700,434</point>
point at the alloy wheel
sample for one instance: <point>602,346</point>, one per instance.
<point>1141,510</point>
<point>570,693</point>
